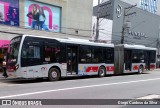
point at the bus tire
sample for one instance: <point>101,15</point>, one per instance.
<point>140,70</point>
<point>54,74</point>
<point>101,71</point>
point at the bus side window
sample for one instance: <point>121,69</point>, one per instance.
<point>108,55</point>
<point>31,51</point>
<point>86,54</point>
<point>153,57</point>
<point>97,55</point>
<point>51,53</point>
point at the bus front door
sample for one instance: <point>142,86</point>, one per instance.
<point>148,55</point>
<point>72,64</point>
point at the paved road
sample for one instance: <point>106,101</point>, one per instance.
<point>114,87</point>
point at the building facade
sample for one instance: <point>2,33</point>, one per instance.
<point>138,26</point>
<point>147,5</point>
<point>56,18</point>
<point>53,18</point>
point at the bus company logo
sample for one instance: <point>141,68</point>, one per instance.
<point>110,68</point>
<point>6,102</point>
<point>119,11</point>
<point>43,68</point>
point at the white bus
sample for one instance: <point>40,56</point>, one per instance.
<point>53,58</point>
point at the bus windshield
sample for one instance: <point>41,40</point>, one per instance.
<point>13,50</point>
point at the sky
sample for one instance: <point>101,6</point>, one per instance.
<point>95,2</point>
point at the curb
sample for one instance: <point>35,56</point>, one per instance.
<point>1,75</point>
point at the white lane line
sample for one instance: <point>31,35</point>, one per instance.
<point>150,97</point>
<point>73,88</point>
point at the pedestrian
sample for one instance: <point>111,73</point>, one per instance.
<point>4,68</point>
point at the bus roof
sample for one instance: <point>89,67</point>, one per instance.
<point>88,42</point>
<point>74,41</point>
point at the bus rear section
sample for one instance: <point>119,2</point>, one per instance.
<point>134,58</point>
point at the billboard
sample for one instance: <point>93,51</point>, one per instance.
<point>9,12</point>
<point>41,16</point>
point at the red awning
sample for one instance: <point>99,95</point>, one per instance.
<point>4,43</point>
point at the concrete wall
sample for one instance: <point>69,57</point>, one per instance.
<point>76,16</point>
<point>79,16</point>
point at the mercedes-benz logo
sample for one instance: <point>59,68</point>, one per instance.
<point>119,11</point>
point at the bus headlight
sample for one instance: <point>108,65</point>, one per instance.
<point>16,67</point>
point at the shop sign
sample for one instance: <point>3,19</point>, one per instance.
<point>119,11</point>
<point>137,35</point>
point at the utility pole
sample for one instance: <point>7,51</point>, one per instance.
<point>97,25</point>
<point>124,17</point>
<point>158,46</point>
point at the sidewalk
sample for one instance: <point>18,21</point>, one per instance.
<point>158,69</point>
<point>1,75</point>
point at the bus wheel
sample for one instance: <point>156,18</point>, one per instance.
<point>102,72</point>
<point>140,70</point>
<point>54,74</point>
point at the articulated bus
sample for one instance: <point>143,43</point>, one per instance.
<point>53,58</point>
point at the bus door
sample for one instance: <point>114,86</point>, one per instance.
<point>128,59</point>
<point>72,60</point>
<point>148,56</point>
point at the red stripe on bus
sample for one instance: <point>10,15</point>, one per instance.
<point>135,67</point>
<point>109,68</point>
<point>152,66</point>
<point>92,69</point>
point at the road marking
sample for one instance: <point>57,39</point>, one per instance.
<point>73,88</point>
<point>150,97</point>
<point>3,84</point>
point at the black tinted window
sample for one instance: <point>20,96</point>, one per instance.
<point>85,54</point>
<point>108,55</point>
<point>97,55</point>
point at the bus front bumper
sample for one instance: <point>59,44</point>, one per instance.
<point>11,75</point>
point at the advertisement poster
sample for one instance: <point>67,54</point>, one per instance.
<point>9,12</point>
<point>42,16</point>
